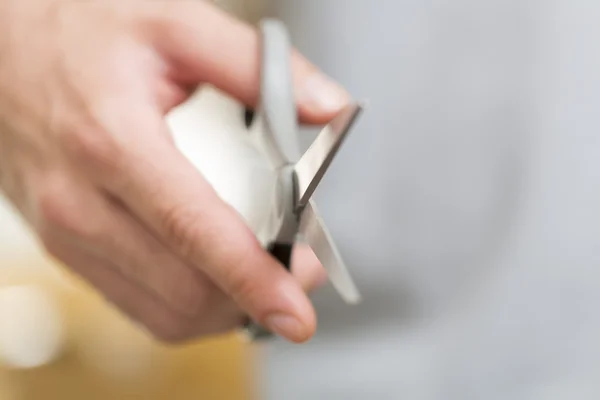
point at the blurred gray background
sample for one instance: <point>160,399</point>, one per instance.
<point>466,202</point>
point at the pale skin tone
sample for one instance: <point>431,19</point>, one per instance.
<point>87,159</point>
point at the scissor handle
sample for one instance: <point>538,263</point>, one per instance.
<point>278,118</point>
<point>283,253</point>
<point>277,106</point>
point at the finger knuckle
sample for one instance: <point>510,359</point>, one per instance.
<point>185,291</point>
<point>182,227</point>
<point>59,209</point>
<point>243,288</point>
<point>166,17</point>
<point>241,283</point>
<point>204,241</point>
<point>52,203</point>
<point>94,147</point>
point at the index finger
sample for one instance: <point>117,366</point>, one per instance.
<point>166,192</point>
<point>205,44</point>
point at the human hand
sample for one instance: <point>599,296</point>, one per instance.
<point>87,159</point>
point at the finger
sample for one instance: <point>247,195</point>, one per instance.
<point>137,304</point>
<point>307,268</point>
<point>91,220</point>
<point>206,45</point>
<point>142,306</point>
<point>172,199</point>
<point>141,257</point>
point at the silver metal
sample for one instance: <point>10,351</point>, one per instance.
<point>314,163</point>
<point>288,217</point>
<point>276,115</point>
<point>275,133</point>
<point>316,235</point>
<point>253,331</point>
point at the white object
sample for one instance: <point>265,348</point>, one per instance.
<point>31,327</point>
<point>16,241</point>
<point>209,130</point>
<point>112,347</point>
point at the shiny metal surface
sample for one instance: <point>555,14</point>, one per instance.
<point>276,120</point>
<point>316,235</point>
<point>314,163</point>
<point>274,133</point>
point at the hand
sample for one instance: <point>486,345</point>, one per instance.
<point>87,159</point>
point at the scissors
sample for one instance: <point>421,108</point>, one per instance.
<point>274,131</point>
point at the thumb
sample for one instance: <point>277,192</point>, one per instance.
<point>307,268</point>
<point>203,44</point>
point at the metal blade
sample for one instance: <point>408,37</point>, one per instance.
<point>314,163</point>
<point>276,120</point>
<point>315,234</point>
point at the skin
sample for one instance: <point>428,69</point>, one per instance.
<point>84,88</point>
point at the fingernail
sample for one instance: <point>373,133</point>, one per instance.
<point>324,94</point>
<point>286,326</point>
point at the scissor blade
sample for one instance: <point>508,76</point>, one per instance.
<point>316,235</point>
<point>314,163</point>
